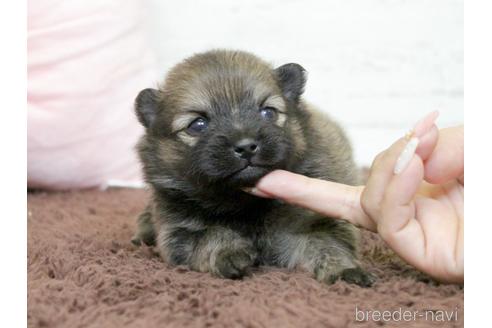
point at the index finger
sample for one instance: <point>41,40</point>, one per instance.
<point>325,197</point>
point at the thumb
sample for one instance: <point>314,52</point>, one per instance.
<point>328,198</point>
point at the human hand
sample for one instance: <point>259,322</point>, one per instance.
<point>414,201</point>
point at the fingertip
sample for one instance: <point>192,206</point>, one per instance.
<point>274,180</point>
<point>424,125</point>
<point>284,185</point>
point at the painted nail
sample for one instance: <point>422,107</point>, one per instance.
<point>421,128</point>
<point>406,155</point>
<point>254,191</point>
<point>425,124</point>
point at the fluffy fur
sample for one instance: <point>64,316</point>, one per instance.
<point>251,120</point>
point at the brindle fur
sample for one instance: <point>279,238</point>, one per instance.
<point>199,216</point>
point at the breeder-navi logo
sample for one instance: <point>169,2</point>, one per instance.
<point>406,315</point>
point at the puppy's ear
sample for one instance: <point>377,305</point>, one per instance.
<point>146,106</point>
<point>292,78</point>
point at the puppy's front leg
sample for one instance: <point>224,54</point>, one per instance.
<point>323,246</point>
<point>145,228</point>
<point>218,250</point>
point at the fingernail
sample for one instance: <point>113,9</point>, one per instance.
<point>425,124</point>
<point>254,191</point>
<point>421,128</point>
<point>406,155</point>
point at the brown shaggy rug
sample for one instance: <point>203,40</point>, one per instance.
<point>84,272</point>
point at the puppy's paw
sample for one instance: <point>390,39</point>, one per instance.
<point>329,275</point>
<point>358,276</point>
<point>145,230</point>
<point>234,264</point>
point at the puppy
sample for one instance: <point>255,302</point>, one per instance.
<point>221,121</point>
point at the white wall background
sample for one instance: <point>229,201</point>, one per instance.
<point>376,66</point>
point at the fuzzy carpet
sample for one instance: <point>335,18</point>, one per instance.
<point>84,272</point>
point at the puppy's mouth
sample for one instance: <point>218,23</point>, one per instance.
<point>249,174</point>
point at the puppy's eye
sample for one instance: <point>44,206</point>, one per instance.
<point>197,126</point>
<point>269,113</point>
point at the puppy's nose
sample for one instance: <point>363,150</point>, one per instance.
<point>246,148</point>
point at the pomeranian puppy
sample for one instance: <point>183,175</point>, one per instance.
<point>220,121</point>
